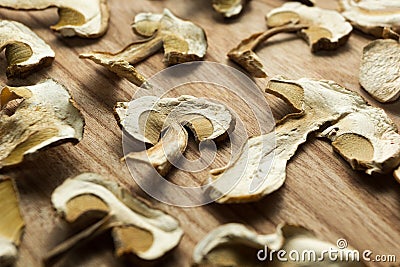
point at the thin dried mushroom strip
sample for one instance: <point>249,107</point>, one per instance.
<point>11,222</point>
<point>379,70</point>
<point>25,51</point>
<point>229,8</point>
<point>146,118</point>
<point>235,245</point>
<point>88,19</point>
<point>364,135</point>
<point>371,16</point>
<point>137,229</point>
<point>322,29</point>
<point>45,116</point>
<point>182,41</point>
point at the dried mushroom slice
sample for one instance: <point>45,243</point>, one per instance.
<point>235,245</point>
<point>396,174</point>
<point>11,222</point>
<point>88,19</point>
<point>45,116</point>
<point>322,29</point>
<point>146,118</point>
<point>371,16</point>
<point>25,51</point>
<point>229,8</point>
<point>137,229</point>
<point>182,41</point>
<point>362,134</point>
<point>379,70</point>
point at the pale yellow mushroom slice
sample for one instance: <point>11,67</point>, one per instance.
<point>235,245</point>
<point>137,229</point>
<point>88,19</point>
<point>364,135</point>
<point>182,41</point>
<point>146,118</point>
<point>11,222</point>
<point>229,8</point>
<point>46,115</point>
<point>372,16</point>
<point>379,70</point>
<point>25,51</point>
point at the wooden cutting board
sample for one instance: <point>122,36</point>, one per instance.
<point>321,192</point>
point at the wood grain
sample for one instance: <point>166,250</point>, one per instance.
<point>321,191</point>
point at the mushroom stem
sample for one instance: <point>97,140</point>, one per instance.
<point>87,234</point>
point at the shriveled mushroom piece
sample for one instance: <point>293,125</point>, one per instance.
<point>371,16</point>
<point>182,41</point>
<point>322,29</point>
<point>229,8</point>
<point>146,118</point>
<point>379,70</point>
<point>137,229</point>
<point>45,116</point>
<point>235,245</point>
<point>11,222</point>
<point>25,51</point>
<point>88,19</point>
<point>364,135</point>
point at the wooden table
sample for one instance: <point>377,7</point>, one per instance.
<point>321,192</point>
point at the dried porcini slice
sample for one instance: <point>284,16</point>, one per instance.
<point>363,135</point>
<point>396,174</point>
<point>88,19</point>
<point>322,29</point>
<point>25,51</point>
<point>146,118</point>
<point>11,222</point>
<point>372,17</point>
<point>45,116</point>
<point>379,70</point>
<point>229,8</point>
<point>182,41</point>
<point>137,229</point>
<point>235,245</point>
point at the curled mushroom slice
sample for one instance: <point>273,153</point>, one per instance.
<point>137,229</point>
<point>229,8</point>
<point>379,70</point>
<point>182,41</point>
<point>235,245</point>
<point>88,19</point>
<point>25,51</point>
<point>11,222</point>
<point>146,118</point>
<point>371,16</point>
<point>44,115</point>
<point>364,135</point>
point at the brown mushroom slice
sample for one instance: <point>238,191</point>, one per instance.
<point>137,229</point>
<point>327,29</point>
<point>11,222</point>
<point>379,70</point>
<point>372,17</point>
<point>25,51</point>
<point>229,8</point>
<point>88,19</point>
<point>182,41</point>
<point>235,245</point>
<point>146,118</point>
<point>46,116</point>
<point>357,129</point>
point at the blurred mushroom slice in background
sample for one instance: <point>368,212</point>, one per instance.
<point>183,41</point>
<point>34,117</point>
<point>87,19</point>
<point>229,8</point>
<point>25,51</point>
<point>11,222</point>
